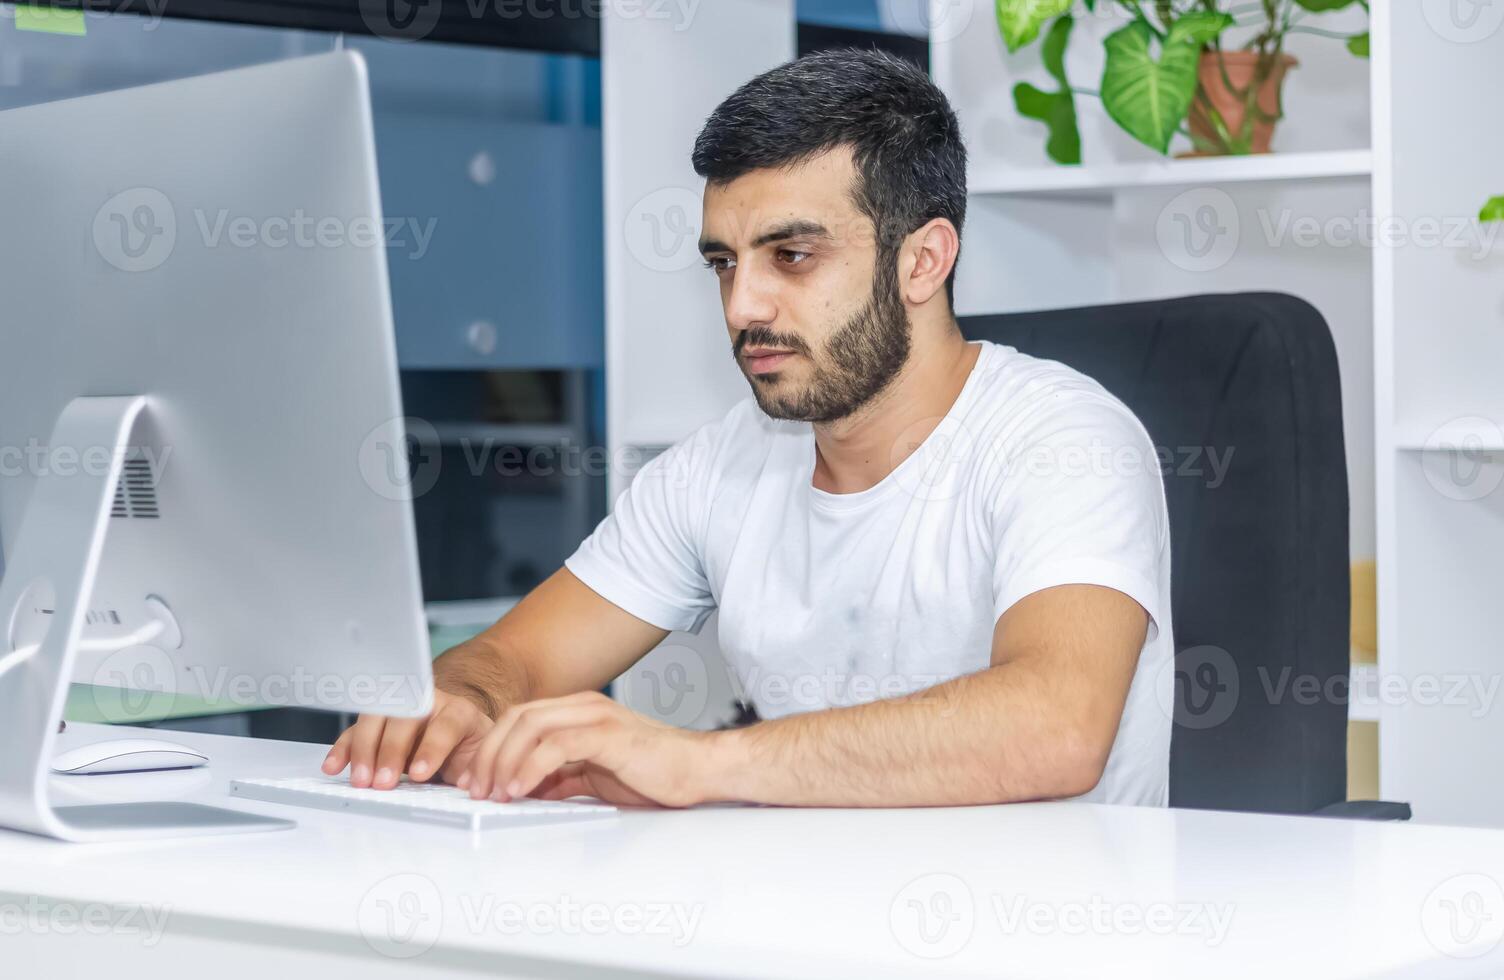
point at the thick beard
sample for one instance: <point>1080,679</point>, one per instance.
<point>861,358</point>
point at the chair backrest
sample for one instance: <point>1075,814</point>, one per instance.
<point>1241,397</point>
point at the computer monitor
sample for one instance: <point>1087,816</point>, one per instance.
<point>205,486</point>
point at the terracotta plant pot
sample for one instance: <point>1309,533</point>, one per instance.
<point>1216,70</point>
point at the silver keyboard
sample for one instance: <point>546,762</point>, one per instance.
<point>429,803</point>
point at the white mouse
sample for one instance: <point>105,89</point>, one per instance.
<point>127,755</point>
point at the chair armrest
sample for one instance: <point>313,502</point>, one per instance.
<point>1365,810</point>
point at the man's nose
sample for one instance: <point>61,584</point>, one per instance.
<point>749,303</point>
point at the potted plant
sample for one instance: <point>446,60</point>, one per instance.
<point>1167,71</point>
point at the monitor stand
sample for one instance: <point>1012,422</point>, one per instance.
<point>54,561</point>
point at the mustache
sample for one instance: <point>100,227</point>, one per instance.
<point>763,337</point>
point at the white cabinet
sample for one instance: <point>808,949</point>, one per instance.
<point>668,359</point>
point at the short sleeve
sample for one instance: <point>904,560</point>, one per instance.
<point>1082,502</point>
<point>646,556</point>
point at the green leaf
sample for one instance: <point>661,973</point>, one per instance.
<point>1149,98</point>
<point>1052,52</point>
<point>1057,110</point>
<point>1200,27</point>
<point>1358,44</point>
<point>1493,210</point>
<point>1020,20</point>
<point>1322,6</point>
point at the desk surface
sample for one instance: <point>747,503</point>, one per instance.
<point>1051,889</point>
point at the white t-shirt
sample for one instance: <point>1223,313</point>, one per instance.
<point>1036,477</point>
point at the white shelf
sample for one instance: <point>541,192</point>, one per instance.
<point>1103,180</point>
<point>1469,435</point>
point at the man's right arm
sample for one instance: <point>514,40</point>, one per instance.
<point>562,638</point>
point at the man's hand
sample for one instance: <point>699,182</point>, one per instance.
<point>588,745</point>
<point>379,749</point>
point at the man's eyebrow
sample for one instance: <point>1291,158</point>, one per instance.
<point>793,229</point>
<point>801,228</point>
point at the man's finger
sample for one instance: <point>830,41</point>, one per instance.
<point>533,726</point>
<point>482,769</point>
<point>566,781</point>
<point>397,742</point>
<point>552,752</point>
<point>339,754</point>
<point>365,736</point>
<point>445,730</point>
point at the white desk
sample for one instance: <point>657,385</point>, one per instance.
<point>1030,890</point>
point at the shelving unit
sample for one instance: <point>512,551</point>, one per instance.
<point>1418,318</point>
<point>1105,180</point>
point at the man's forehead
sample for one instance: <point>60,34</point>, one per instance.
<point>813,193</point>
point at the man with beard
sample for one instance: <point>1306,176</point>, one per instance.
<point>942,568</point>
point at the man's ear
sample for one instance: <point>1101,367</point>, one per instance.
<point>928,256</point>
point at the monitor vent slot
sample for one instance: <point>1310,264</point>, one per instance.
<point>136,493</point>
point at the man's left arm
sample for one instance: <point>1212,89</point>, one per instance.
<point>1038,723</point>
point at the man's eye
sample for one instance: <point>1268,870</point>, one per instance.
<point>789,256</point>
<point>720,264</point>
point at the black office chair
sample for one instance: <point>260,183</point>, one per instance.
<point>1258,533</point>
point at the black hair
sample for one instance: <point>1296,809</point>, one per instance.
<point>901,130</point>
